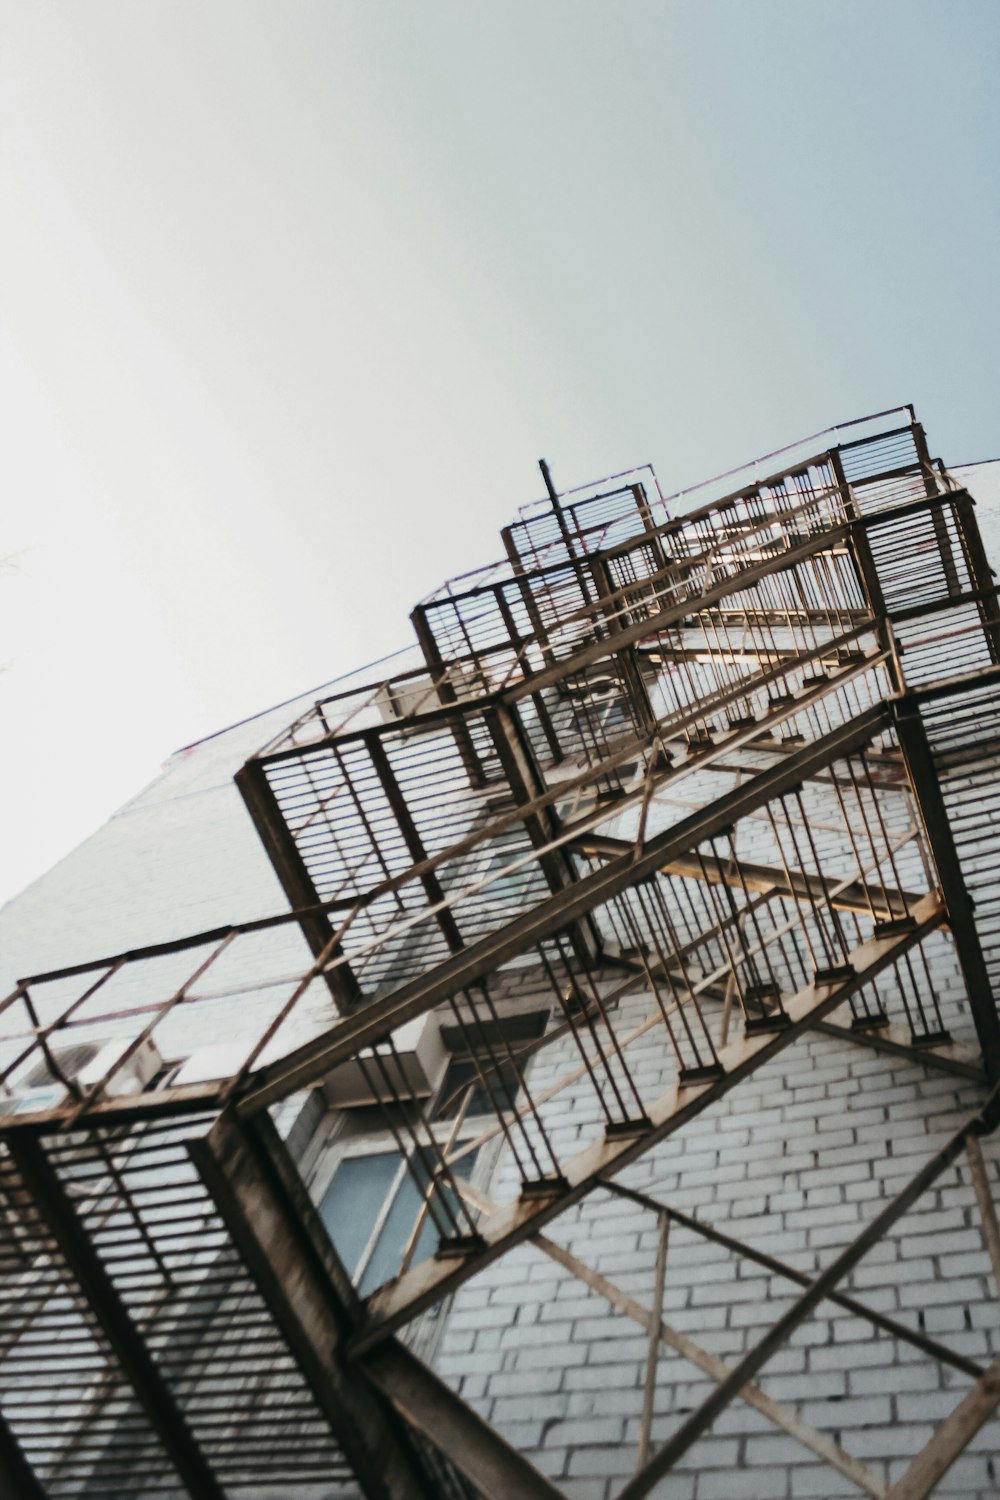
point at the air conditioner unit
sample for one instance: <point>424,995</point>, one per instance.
<point>36,1101</point>
<point>219,1061</point>
<point>35,1090</point>
<point>399,700</point>
<point>212,1064</point>
<point>133,1075</point>
<point>410,1069</point>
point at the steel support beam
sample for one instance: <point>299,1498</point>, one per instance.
<point>55,1210</point>
<point>527,785</point>
<point>447,696</point>
<point>473,1447</point>
<point>989,1222</point>
<point>871,585</point>
<point>653,1352</point>
<point>18,1480</point>
<point>983,576</point>
<point>957,1058</point>
<point>296,881</point>
<point>652,538</point>
<point>857,896</point>
<point>573,552</point>
<point>523,578</point>
<point>927,790</point>
<point>276,1229</point>
<point>627,659</point>
<point>411,838</point>
<point>931,489</point>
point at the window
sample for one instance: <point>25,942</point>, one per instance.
<point>371,1211</point>
<point>373,1205</point>
<point>507,888</point>
<point>495,1071</point>
<point>494,1087</point>
<point>505,862</point>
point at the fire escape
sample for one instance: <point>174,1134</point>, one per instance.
<point>703,777</point>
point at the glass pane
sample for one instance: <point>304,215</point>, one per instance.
<point>503,1087</point>
<point>354,1200</point>
<point>398,1227</point>
<point>393,1239</point>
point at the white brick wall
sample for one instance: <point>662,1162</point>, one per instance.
<point>795,1162</point>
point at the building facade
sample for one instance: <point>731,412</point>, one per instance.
<point>565,1064</point>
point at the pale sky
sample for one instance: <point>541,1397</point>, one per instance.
<point>294,295</point>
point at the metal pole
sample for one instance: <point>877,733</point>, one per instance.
<point>987,1208</point>
<point>652,1356</point>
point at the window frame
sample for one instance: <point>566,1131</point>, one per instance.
<point>343,1143</point>
<point>352,1134</point>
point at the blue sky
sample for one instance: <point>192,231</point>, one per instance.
<point>294,296</point>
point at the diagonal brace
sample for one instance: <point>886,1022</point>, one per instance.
<point>688,1433</point>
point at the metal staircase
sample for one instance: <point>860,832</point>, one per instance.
<point>695,785</point>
